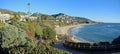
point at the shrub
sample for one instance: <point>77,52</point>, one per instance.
<point>1,24</point>
<point>13,36</point>
<point>38,30</point>
<point>27,28</point>
<point>49,33</point>
<point>43,49</point>
<point>21,25</point>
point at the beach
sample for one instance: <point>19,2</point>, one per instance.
<point>65,30</point>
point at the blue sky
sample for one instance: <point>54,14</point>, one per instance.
<point>98,10</point>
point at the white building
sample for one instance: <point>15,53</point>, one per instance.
<point>32,18</point>
<point>4,17</point>
<point>24,17</point>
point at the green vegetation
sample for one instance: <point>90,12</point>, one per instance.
<point>12,36</point>
<point>38,30</point>
<point>15,17</point>
<point>18,36</point>
<point>21,25</point>
<point>43,49</point>
<point>48,33</point>
<point>1,24</point>
<point>27,28</point>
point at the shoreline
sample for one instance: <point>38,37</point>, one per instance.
<point>66,31</point>
<point>59,44</point>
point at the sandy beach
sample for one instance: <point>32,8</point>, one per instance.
<point>64,30</point>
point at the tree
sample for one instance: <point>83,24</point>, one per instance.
<point>49,33</point>
<point>28,9</point>
<point>38,30</point>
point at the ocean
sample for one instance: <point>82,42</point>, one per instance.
<point>97,32</point>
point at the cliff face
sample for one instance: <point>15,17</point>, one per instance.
<point>71,19</point>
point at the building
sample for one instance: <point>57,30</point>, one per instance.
<point>24,17</point>
<point>4,17</point>
<point>32,18</point>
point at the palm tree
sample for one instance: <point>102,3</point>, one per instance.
<point>28,9</point>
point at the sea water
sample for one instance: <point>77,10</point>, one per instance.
<point>97,32</point>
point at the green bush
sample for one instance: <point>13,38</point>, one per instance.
<point>49,33</point>
<point>43,49</point>
<point>1,24</point>
<point>28,28</point>
<point>13,36</point>
<point>21,25</point>
<point>38,30</point>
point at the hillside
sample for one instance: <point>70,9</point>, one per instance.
<point>34,32</point>
<point>6,11</point>
<point>61,17</point>
<point>72,19</point>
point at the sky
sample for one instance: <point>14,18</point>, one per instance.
<point>97,10</point>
